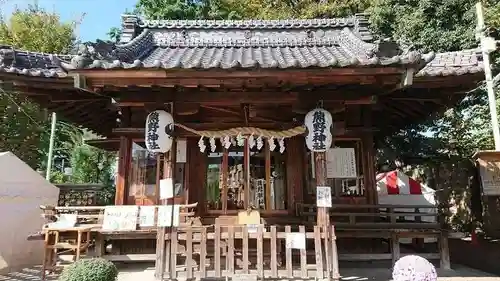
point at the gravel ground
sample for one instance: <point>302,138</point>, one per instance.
<point>144,272</point>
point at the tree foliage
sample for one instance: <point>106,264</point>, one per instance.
<point>34,29</point>
<point>186,9</point>
<point>24,126</point>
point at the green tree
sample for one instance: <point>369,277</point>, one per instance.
<point>34,29</point>
<point>24,129</point>
<point>186,9</point>
<point>271,9</point>
<point>23,125</point>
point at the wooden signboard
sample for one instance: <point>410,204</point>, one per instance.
<point>168,215</point>
<point>489,170</point>
<point>120,218</point>
<point>147,216</point>
<point>341,163</point>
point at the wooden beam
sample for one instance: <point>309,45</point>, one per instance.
<point>206,98</point>
<point>217,73</point>
<point>212,100</point>
<point>244,115</point>
<point>251,82</point>
<point>29,81</point>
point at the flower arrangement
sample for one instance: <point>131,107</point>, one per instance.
<point>414,268</point>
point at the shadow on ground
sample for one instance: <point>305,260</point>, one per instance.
<point>144,272</point>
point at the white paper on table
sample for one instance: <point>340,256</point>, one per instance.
<point>295,240</point>
<point>64,221</point>
<point>168,215</point>
<point>120,218</point>
<point>147,216</point>
<point>166,188</point>
<point>324,196</point>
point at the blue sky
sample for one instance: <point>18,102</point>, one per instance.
<point>100,15</point>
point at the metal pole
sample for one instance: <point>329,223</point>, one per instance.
<point>51,146</point>
<point>488,76</point>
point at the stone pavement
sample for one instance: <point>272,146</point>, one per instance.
<point>144,272</point>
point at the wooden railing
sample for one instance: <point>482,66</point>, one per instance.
<point>231,251</point>
<point>376,216</point>
<point>95,214</point>
<point>389,223</point>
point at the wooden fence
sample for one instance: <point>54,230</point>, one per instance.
<point>256,252</point>
<point>377,216</point>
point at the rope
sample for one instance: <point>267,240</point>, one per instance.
<point>299,130</point>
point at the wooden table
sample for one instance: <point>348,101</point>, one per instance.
<point>71,239</point>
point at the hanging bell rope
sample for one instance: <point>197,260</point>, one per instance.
<point>299,130</point>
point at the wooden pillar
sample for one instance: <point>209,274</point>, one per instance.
<point>369,177</point>
<point>323,217</point>
<point>368,156</point>
<point>124,161</point>
<point>162,246</point>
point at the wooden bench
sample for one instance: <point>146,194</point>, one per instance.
<point>137,245</point>
<point>383,222</point>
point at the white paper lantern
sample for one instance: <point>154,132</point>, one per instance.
<point>159,125</point>
<point>319,136</point>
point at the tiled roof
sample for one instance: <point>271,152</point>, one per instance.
<point>29,63</point>
<point>270,44</point>
<point>204,44</point>
<point>454,63</point>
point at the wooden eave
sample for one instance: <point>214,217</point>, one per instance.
<point>220,95</point>
<point>237,78</point>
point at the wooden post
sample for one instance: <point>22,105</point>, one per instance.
<point>323,217</point>
<point>124,161</point>
<point>162,247</point>
<point>444,251</point>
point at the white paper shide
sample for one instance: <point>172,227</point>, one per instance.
<point>159,125</point>
<point>319,136</point>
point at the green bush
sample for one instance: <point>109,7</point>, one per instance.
<point>90,270</point>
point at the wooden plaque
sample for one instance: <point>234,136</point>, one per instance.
<point>489,170</point>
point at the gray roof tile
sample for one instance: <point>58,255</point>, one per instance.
<point>454,63</point>
<point>204,44</point>
<point>29,63</point>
